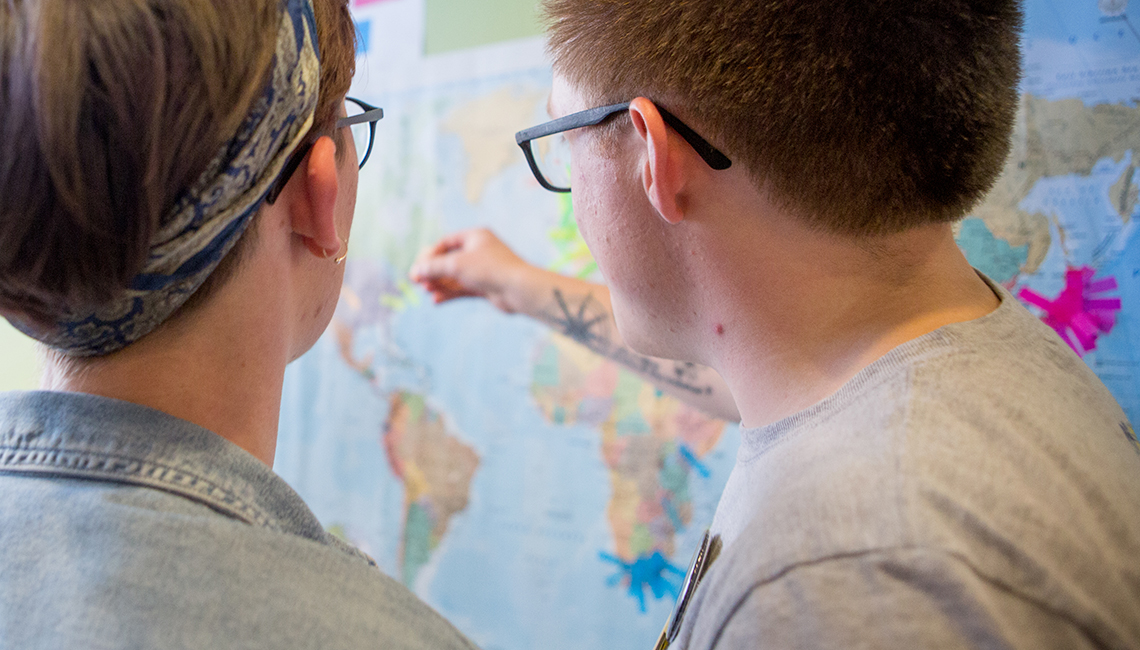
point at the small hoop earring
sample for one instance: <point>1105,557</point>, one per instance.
<point>344,247</point>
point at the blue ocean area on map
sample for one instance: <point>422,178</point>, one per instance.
<point>538,495</point>
<point>990,255</point>
<point>363,36</point>
<point>1082,49</point>
<point>1087,225</point>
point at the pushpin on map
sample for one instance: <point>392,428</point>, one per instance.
<point>646,571</point>
<point>1078,314</point>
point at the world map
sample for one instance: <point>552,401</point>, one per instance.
<point>538,495</point>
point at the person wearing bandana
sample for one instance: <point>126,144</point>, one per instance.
<point>177,186</point>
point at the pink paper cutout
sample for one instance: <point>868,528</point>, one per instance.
<point>1078,314</point>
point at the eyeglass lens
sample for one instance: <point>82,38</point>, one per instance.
<point>552,155</point>
<point>361,133</point>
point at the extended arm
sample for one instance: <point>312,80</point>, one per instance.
<point>475,263</point>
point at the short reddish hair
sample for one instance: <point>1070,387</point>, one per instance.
<point>864,116</point>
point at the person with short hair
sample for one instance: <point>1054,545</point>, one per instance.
<point>769,188</point>
<point>177,185</point>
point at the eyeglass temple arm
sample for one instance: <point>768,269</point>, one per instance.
<point>371,115</point>
<point>711,155</point>
<point>573,121</point>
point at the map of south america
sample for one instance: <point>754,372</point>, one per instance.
<point>436,469</point>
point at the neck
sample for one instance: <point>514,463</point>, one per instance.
<point>220,367</point>
<point>809,311</point>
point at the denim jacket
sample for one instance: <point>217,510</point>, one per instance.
<point>124,527</point>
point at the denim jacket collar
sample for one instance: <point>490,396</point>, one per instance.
<point>99,439</point>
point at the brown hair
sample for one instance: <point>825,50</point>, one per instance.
<point>336,38</point>
<point>109,111</point>
<point>864,117</point>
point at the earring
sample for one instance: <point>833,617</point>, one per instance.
<point>344,247</point>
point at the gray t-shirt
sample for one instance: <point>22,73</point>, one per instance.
<point>977,487</point>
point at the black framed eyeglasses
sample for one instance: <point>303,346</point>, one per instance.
<point>548,152</point>
<point>361,118</point>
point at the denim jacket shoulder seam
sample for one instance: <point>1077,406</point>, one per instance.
<point>109,467</point>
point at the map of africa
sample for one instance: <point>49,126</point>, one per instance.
<point>538,495</point>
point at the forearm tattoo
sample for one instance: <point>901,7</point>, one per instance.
<point>591,324</point>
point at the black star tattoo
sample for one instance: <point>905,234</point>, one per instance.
<point>577,325</point>
<point>587,323</point>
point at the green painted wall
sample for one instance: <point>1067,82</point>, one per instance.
<point>460,24</point>
<point>19,367</point>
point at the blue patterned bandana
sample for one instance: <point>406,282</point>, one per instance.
<point>206,223</point>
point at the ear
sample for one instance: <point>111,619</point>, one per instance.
<point>663,174</point>
<point>313,199</point>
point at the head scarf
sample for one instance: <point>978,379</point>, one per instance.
<point>208,220</point>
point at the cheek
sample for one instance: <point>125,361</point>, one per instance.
<point>614,216</point>
<point>346,200</point>
<point>600,197</point>
<point>597,221</point>
<point>351,199</point>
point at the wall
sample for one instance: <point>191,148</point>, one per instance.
<point>19,369</point>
